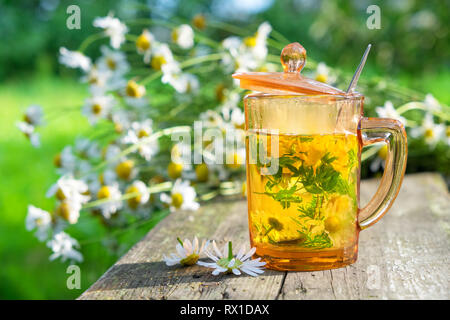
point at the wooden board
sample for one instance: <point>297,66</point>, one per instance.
<point>404,256</point>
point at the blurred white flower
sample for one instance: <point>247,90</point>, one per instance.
<point>142,194</point>
<point>112,196</point>
<point>34,115</point>
<point>226,262</point>
<point>388,111</point>
<point>98,107</point>
<point>68,188</point>
<point>183,36</point>
<point>114,29</point>
<point>211,119</point>
<point>380,160</point>
<point>187,253</point>
<point>431,104</point>
<point>63,246</point>
<point>182,197</point>
<point>38,219</point>
<point>114,61</point>
<point>74,59</point>
<point>87,148</point>
<point>138,133</point>
<point>28,130</point>
<point>430,131</point>
<point>97,80</point>
<point>144,44</point>
<point>66,161</point>
<point>323,74</point>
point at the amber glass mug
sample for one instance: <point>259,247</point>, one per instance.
<point>303,177</point>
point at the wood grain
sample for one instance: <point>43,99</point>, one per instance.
<point>404,256</point>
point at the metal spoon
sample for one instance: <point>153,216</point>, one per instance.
<point>355,78</point>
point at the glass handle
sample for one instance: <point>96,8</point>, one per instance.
<point>391,132</point>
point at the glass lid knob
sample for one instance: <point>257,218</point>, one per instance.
<point>293,57</point>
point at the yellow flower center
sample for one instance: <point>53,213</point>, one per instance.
<point>124,169</point>
<point>134,90</point>
<point>157,62</point>
<point>199,21</point>
<point>322,78</point>
<point>190,260</point>
<point>177,200</point>
<point>118,128</point>
<point>57,160</point>
<point>27,119</point>
<point>96,108</point>
<point>250,41</point>
<point>382,153</point>
<point>235,162</point>
<point>202,172</point>
<point>143,42</point>
<point>143,133</point>
<point>111,63</point>
<point>174,170</point>
<point>104,193</point>
<point>63,210</point>
<point>60,194</point>
<point>134,201</point>
<point>429,133</point>
<point>175,35</point>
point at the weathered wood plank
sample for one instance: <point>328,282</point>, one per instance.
<point>405,255</point>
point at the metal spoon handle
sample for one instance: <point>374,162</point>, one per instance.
<point>355,78</point>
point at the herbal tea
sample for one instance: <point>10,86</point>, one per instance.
<point>305,198</point>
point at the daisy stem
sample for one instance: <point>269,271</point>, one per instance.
<point>179,240</point>
<point>89,40</point>
<point>230,250</point>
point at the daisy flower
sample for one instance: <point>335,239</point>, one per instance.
<point>323,74</point>
<point>144,44</point>
<point>183,36</point>
<point>63,246</point>
<point>114,61</point>
<point>211,119</point>
<point>38,219</point>
<point>431,104</point>
<point>388,111</point>
<point>69,210</point>
<point>68,188</point>
<point>98,107</point>
<point>28,130</point>
<point>138,133</point>
<point>187,254</point>
<point>65,161</point>
<point>182,197</point>
<point>134,94</point>
<point>226,262</point>
<point>97,79</point>
<point>141,194</point>
<point>74,59</point>
<point>113,199</point>
<point>34,115</point>
<point>114,29</point>
<point>431,131</point>
<point>87,149</point>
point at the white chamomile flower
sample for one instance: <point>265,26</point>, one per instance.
<point>144,44</point>
<point>40,220</point>
<point>138,134</point>
<point>34,115</point>
<point>388,111</point>
<point>226,262</point>
<point>74,59</point>
<point>68,188</point>
<point>431,104</point>
<point>98,107</point>
<point>65,161</point>
<point>87,149</point>
<point>162,58</point>
<point>69,210</point>
<point>29,131</point>
<point>183,36</point>
<point>182,197</point>
<point>380,160</point>
<point>63,246</point>
<point>211,119</point>
<point>257,43</point>
<point>430,131</point>
<point>114,61</point>
<point>323,74</point>
<point>113,201</point>
<point>140,192</point>
<point>134,94</point>
<point>114,29</point>
<point>187,253</point>
<point>97,79</point>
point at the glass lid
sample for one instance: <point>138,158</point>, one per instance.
<point>293,58</point>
